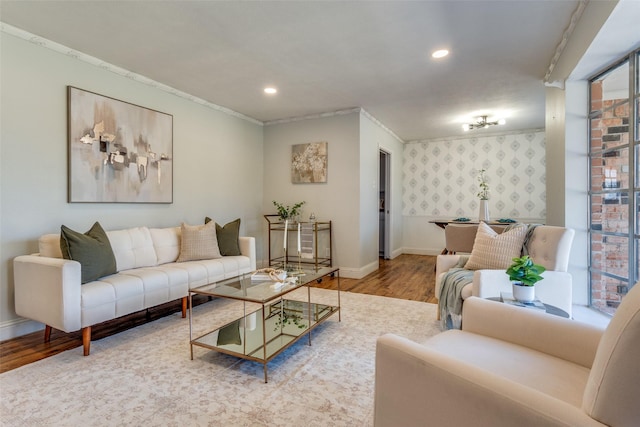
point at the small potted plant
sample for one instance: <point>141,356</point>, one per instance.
<point>524,274</point>
<point>288,212</point>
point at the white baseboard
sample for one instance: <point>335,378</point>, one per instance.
<point>422,251</point>
<point>358,273</point>
<point>396,253</point>
<point>17,327</point>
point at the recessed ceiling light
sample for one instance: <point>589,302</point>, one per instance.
<point>440,53</point>
<point>270,90</point>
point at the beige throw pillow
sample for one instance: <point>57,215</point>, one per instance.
<point>495,251</point>
<point>198,242</point>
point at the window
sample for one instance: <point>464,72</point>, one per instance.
<point>615,183</point>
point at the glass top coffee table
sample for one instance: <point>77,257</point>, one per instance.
<point>260,335</point>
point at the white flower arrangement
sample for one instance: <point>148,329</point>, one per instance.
<point>483,194</point>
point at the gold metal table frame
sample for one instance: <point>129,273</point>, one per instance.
<point>261,335</point>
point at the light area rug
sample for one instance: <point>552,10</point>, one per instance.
<point>145,377</point>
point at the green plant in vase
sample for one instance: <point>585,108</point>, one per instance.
<point>288,212</point>
<point>524,274</point>
<point>524,271</point>
<point>483,194</point>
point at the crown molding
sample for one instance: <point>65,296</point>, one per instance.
<point>472,136</point>
<point>360,110</point>
<point>575,17</point>
<point>379,123</point>
<point>71,53</point>
<point>313,116</point>
<point>79,56</point>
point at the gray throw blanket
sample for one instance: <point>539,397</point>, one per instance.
<point>450,297</point>
<point>525,244</point>
<point>454,280</point>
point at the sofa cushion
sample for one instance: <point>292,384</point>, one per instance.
<point>227,237</point>
<point>166,242</point>
<point>132,248</point>
<point>198,242</point>
<point>550,375</point>
<point>91,249</point>
<point>495,251</point>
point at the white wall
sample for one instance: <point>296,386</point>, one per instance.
<point>337,199</point>
<point>350,197</point>
<point>576,178</point>
<point>373,138</point>
<point>567,172</point>
<point>218,159</point>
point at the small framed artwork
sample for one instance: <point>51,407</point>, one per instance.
<point>309,162</point>
<point>118,152</point>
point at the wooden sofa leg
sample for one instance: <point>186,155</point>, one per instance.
<point>86,339</point>
<point>184,307</point>
<point>47,333</point>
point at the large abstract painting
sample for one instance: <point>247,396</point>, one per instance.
<point>118,152</point>
<point>309,162</point>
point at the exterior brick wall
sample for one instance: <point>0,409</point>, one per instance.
<point>609,212</point>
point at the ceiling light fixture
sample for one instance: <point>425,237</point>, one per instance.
<point>270,90</point>
<point>440,53</point>
<point>482,123</point>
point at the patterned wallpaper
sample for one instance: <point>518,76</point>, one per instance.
<point>440,176</point>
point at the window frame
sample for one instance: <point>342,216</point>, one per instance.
<point>608,188</point>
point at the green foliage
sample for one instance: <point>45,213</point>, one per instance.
<point>287,318</point>
<point>483,194</point>
<point>286,212</point>
<point>525,271</point>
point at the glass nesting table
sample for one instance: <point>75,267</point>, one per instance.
<point>261,335</point>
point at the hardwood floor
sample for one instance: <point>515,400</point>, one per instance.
<point>409,277</point>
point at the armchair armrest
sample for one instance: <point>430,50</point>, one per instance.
<point>48,290</point>
<point>489,283</point>
<point>443,264</point>
<point>446,262</point>
<point>563,338</point>
<point>555,289</point>
<point>248,248</point>
<point>415,384</point>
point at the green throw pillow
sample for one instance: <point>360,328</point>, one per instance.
<point>228,237</point>
<point>91,249</point>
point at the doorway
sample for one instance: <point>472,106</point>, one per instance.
<point>384,245</point>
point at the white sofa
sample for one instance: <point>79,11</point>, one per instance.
<point>48,288</point>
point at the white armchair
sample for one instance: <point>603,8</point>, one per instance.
<point>548,246</point>
<point>511,366</point>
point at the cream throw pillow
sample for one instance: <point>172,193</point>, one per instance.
<point>198,242</point>
<point>495,251</point>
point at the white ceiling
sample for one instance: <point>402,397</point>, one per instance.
<point>326,56</point>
